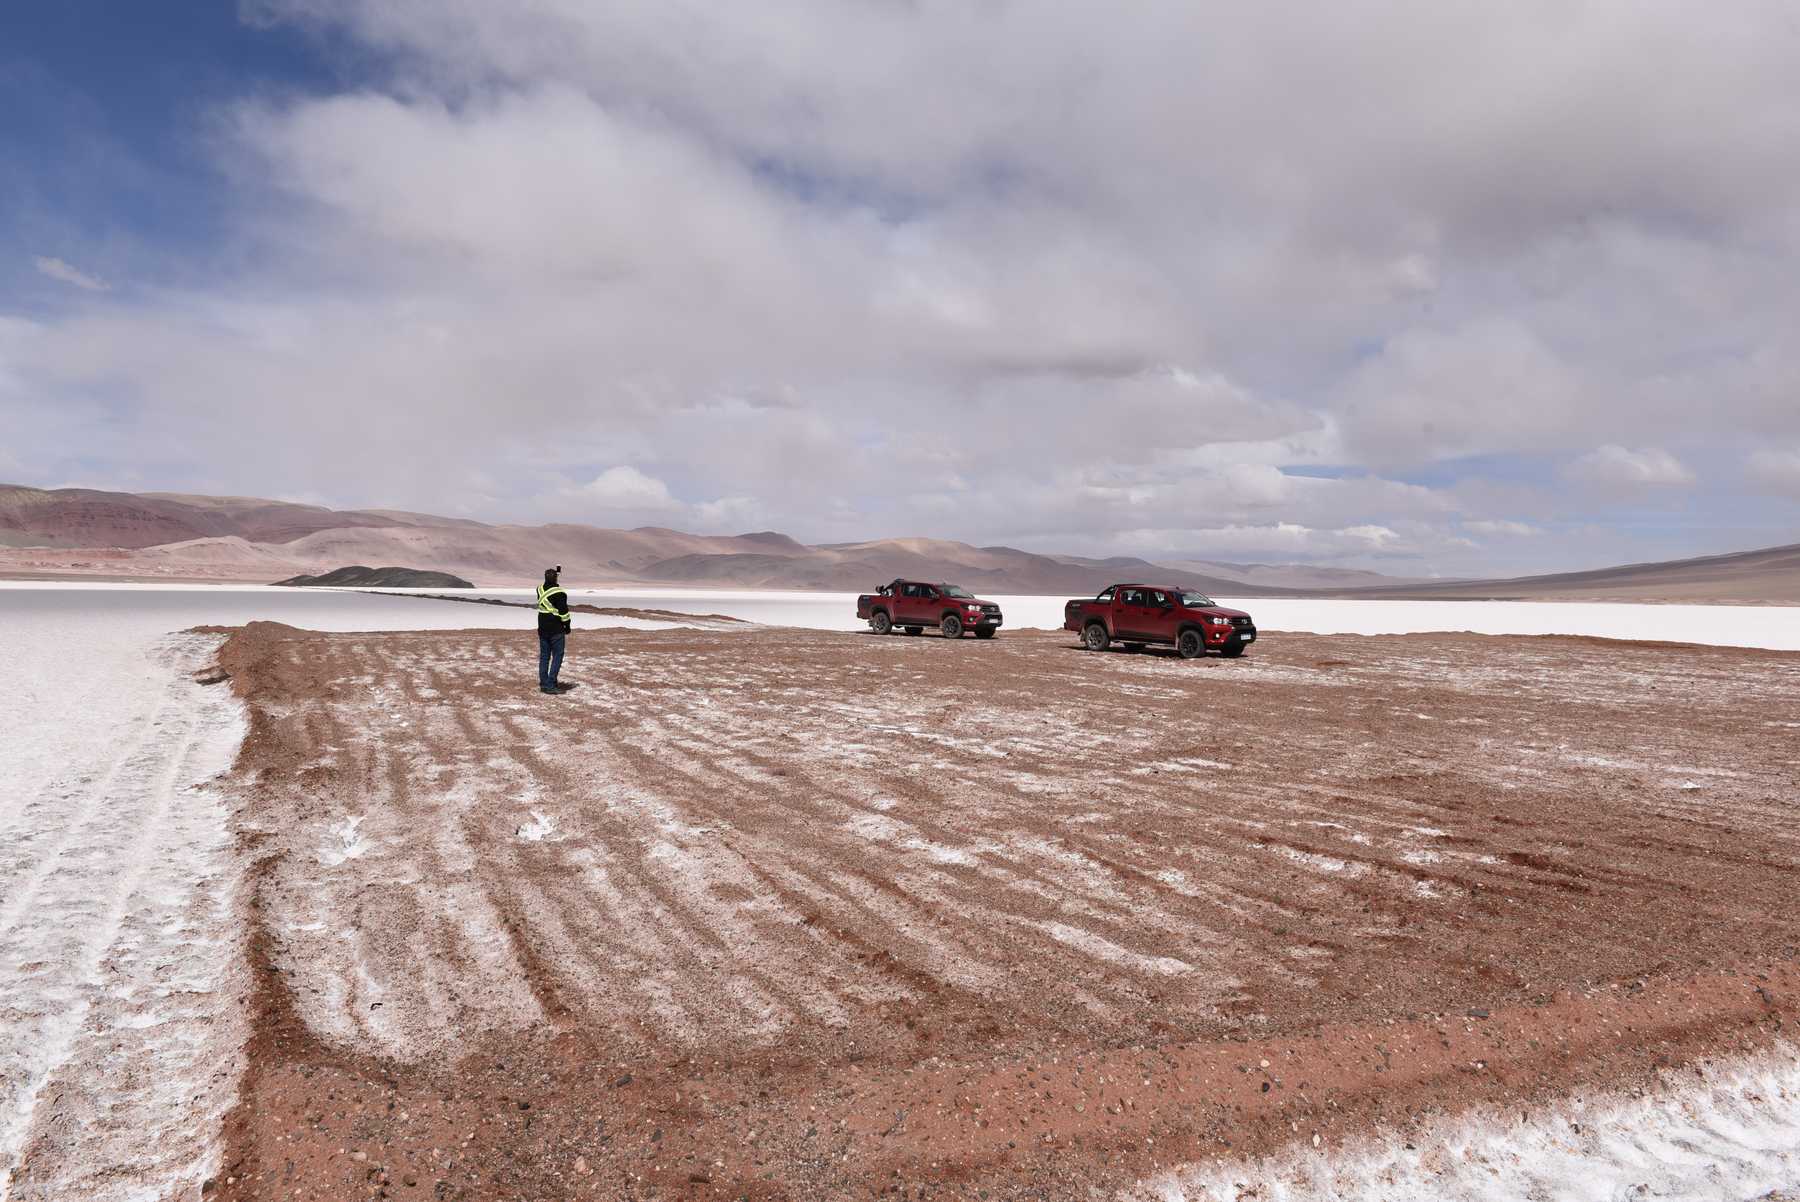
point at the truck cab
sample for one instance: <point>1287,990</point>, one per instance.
<point>1139,614</point>
<point>912,605</point>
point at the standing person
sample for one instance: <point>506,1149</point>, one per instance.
<point>553,629</point>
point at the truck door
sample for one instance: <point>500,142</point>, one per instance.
<point>912,604</point>
<point>1160,615</point>
<point>1131,617</point>
<point>928,605</point>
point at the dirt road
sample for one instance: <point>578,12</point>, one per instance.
<point>782,914</point>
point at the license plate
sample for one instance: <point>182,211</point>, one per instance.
<point>1248,638</point>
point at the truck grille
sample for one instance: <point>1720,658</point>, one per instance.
<point>991,610</point>
<point>1241,622</point>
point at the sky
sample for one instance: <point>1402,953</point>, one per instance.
<point>1436,287</point>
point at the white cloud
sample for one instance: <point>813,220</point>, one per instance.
<point>57,269</point>
<point>1775,471</point>
<point>626,488</point>
<point>1502,526</point>
<point>1621,468</point>
<point>1279,540</point>
<point>977,271</point>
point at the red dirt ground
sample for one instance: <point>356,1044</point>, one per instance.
<point>774,914</point>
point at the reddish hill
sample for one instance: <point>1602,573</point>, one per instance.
<point>170,536</point>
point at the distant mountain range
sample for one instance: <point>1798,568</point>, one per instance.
<point>86,533</point>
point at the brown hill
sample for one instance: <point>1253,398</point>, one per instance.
<point>85,517</point>
<point>89,533</point>
<point>175,536</point>
<point>1767,576</point>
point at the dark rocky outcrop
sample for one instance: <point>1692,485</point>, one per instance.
<point>361,577</point>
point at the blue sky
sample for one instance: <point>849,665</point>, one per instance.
<point>106,114</point>
<point>1505,293</point>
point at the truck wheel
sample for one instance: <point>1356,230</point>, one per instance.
<point>951,626</point>
<point>1190,644</point>
<point>1232,651</point>
<point>880,623</point>
<point>914,629</point>
<point>1095,637</point>
<point>984,632</point>
<point>1133,648</point>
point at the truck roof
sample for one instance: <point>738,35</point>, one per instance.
<point>1164,588</point>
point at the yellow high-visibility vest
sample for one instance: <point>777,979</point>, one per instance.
<point>544,593</point>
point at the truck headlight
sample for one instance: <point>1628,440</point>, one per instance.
<point>1220,621</point>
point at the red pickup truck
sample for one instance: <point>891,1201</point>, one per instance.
<point>912,605</point>
<point>1136,614</point>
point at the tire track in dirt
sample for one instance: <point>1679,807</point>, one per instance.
<point>829,854</point>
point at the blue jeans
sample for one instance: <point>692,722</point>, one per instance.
<point>550,653</point>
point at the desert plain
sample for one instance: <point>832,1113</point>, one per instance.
<point>761,912</point>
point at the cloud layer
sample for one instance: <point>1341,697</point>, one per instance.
<point>1366,282</point>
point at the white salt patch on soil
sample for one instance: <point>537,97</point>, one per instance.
<point>939,852</point>
<point>1314,861</point>
<point>1185,764</point>
<point>343,841</point>
<point>541,827</point>
<point>1729,1135</point>
<point>875,827</point>
<point>1104,949</point>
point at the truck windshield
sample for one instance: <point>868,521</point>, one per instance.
<point>950,590</point>
<point>1195,601</point>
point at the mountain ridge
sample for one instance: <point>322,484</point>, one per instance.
<point>91,533</point>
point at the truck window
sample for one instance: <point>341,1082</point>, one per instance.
<point>1159,599</point>
<point>1106,595</point>
<point>910,590</point>
<point>1132,596</point>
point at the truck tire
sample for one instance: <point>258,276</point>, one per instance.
<point>984,632</point>
<point>951,626</point>
<point>1232,650</point>
<point>1190,643</point>
<point>914,629</point>
<point>880,623</point>
<point>1094,637</point>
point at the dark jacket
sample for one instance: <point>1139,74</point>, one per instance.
<point>558,600</point>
